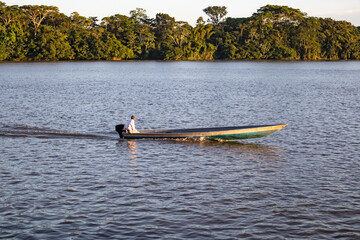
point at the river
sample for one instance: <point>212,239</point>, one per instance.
<point>64,174</point>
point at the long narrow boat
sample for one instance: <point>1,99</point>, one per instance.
<point>225,133</point>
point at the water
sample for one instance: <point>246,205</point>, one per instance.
<point>65,175</point>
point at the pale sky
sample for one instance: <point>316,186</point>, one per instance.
<point>191,10</point>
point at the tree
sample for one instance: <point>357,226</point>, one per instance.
<point>200,21</point>
<point>94,21</point>
<point>139,15</point>
<point>37,14</point>
<point>163,29</point>
<point>8,14</point>
<point>145,40</point>
<point>200,48</point>
<point>12,35</point>
<point>50,45</point>
<point>340,40</point>
<point>216,14</point>
<point>280,14</point>
<point>113,49</point>
<point>306,39</point>
<point>123,28</point>
<point>80,22</point>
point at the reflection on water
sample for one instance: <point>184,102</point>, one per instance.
<point>133,169</point>
<point>132,148</point>
<point>244,147</point>
<point>253,151</point>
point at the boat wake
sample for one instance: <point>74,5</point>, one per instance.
<point>24,131</point>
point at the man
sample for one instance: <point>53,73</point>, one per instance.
<point>131,125</point>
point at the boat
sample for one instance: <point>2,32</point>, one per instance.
<point>224,133</point>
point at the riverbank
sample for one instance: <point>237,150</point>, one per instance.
<point>272,33</point>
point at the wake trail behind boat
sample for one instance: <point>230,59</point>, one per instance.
<point>24,131</point>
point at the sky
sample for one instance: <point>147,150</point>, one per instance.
<point>191,10</point>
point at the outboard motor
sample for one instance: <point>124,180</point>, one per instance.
<point>120,129</point>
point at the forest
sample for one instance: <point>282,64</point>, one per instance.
<point>42,33</point>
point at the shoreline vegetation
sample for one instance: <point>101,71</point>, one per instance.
<point>42,33</point>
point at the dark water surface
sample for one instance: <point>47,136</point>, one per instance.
<point>65,175</point>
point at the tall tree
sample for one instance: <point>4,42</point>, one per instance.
<point>37,14</point>
<point>282,14</point>
<point>139,15</point>
<point>145,38</point>
<point>164,26</point>
<point>216,14</point>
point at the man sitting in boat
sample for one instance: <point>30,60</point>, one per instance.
<point>130,126</point>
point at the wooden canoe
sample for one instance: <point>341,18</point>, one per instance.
<point>225,133</point>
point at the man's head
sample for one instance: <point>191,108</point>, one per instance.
<point>133,117</point>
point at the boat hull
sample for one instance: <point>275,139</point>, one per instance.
<point>225,133</point>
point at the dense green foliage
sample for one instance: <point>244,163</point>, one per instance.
<point>42,33</point>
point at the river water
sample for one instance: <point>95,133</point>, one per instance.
<point>64,174</point>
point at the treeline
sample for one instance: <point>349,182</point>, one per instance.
<point>42,33</point>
